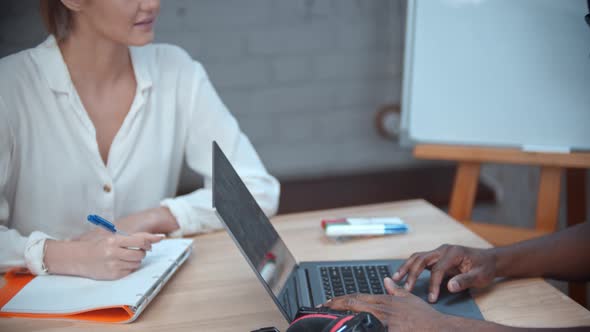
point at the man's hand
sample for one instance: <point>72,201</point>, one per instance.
<point>468,268</point>
<point>399,311</point>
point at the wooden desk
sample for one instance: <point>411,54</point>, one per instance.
<point>217,291</point>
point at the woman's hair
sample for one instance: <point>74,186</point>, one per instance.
<point>57,18</point>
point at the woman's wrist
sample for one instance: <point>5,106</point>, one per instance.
<point>165,220</point>
<point>60,257</point>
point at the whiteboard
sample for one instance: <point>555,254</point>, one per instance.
<point>497,72</point>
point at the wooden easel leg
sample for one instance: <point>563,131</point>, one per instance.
<point>464,190</point>
<point>548,198</point>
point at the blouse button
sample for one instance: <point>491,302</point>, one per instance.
<point>107,188</point>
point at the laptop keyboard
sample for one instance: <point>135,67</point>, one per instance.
<point>342,280</point>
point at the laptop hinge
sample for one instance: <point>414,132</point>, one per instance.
<point>304,290</point>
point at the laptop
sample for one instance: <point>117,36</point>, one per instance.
<point>293,284</point>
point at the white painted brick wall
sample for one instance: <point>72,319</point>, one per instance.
<point>303,77</point>
<point>20,26</point>
<point>291,69</point>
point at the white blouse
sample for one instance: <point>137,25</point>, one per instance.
<point>51,172</point>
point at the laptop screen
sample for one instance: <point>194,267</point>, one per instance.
<point>250,228</point>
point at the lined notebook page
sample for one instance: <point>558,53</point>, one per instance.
<point>64,294</point>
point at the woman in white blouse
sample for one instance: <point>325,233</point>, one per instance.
<point>96,120</point>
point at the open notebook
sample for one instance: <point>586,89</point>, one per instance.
<point>118,301</point>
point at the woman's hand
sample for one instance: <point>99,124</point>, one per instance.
<point>468,268</point>
<point>106,258</point>
<point>399,311</point>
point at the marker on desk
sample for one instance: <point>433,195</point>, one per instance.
<point>362,230</point>
<point>107,225</point>
<point>363,221</point>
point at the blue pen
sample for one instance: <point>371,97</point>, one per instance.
<point>107,225</point>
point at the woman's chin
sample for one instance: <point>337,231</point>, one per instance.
<point>141,39</point>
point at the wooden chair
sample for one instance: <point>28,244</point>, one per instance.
<point>552,165</point>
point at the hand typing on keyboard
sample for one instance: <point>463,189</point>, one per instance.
<point>399,310</point>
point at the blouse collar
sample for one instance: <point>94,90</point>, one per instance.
<point>50,62</point>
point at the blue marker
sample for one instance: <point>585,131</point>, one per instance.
<point>107,225</point>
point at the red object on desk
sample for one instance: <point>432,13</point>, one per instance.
<point>325,222</point>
